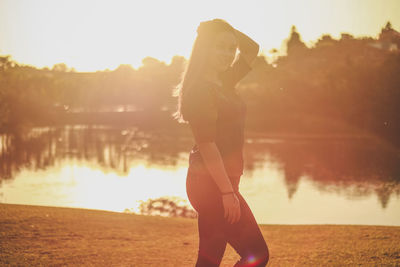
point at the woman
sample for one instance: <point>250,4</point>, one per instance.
<point>216,114</point>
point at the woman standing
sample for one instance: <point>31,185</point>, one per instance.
<point>208,101</point>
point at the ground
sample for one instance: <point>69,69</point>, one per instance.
<point>36,235</point>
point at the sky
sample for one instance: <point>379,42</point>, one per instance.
<point>96,35</point>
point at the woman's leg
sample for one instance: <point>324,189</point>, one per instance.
<point>246,238</point>
<point>215,231</point>
<point>212,242</point>
<point>206,200</point>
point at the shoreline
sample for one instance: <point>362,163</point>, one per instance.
<point>132,213</point>
<point>43,235</point>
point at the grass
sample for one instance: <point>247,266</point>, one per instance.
<point>36,235</point>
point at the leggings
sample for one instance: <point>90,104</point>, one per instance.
<point>215,231</point>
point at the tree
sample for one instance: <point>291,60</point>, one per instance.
<point>61,67</point>
<point>295,45</point>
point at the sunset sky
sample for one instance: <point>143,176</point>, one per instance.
<point>98,35</point>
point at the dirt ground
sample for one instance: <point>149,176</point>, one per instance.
<point>36,235</point>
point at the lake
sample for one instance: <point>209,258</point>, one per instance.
<point>287,179</point>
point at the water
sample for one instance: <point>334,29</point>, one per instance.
<point>286,180</point>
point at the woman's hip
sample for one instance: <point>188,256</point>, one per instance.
<point>203,192</point>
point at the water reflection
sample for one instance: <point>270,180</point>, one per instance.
<point>353,167</point>
<point>81,184</point>
<point>292,180</point>
<point>111,148</point>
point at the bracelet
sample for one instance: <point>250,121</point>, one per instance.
<point>226,193</point>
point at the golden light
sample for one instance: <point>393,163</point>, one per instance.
<point>96,35</point>
<point>77,185</point>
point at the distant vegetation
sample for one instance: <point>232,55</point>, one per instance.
<point>166,206</point>
<point>337,85</point>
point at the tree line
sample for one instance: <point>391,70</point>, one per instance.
<point>336,85</point>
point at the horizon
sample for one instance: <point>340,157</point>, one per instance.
<point>80,43</point>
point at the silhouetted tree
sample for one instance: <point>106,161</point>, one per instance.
<point>295,45</point>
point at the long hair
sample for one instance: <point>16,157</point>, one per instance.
<point>197,62</point>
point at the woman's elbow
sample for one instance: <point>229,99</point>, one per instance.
<point>250,55</point>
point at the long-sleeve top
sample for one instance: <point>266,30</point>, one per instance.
<point>217,113</point>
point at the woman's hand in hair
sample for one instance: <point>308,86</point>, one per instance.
<point>247,46</point>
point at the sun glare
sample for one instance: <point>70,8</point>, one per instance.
<point>99,35</point>
<point>96,189</point>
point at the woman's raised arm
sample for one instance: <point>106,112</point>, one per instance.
<point>247,46</point>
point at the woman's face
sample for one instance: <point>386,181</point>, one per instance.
<point>222,51</point>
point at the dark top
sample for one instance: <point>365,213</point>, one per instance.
<point>217,113</point>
